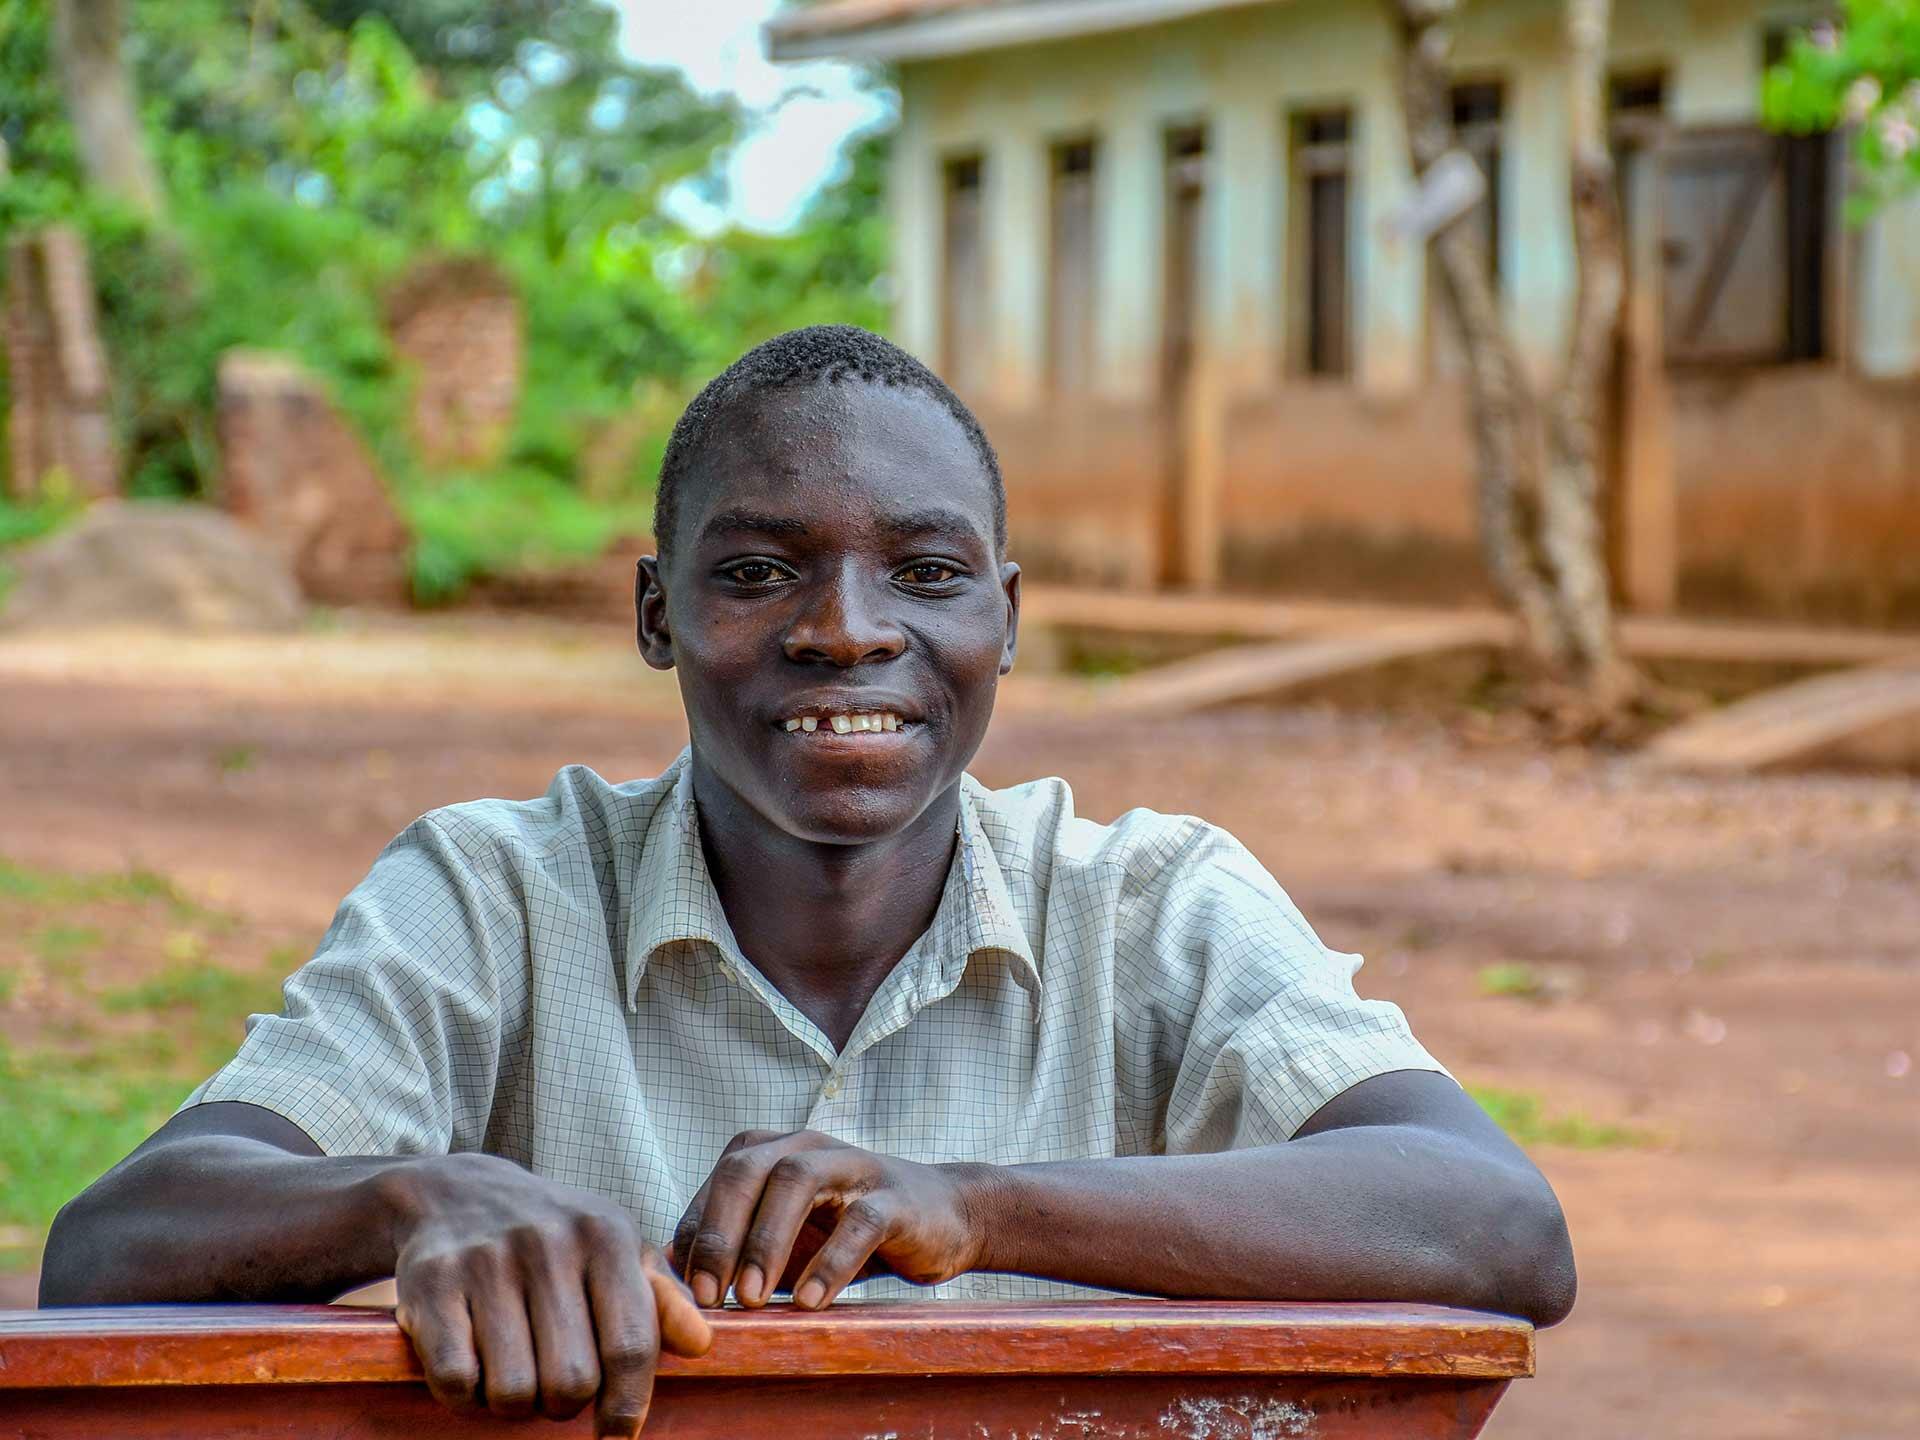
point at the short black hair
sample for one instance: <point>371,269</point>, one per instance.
<point>818,354</point>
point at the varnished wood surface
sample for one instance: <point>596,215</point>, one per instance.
<point>318,1344</point>
<point>939,1407</point>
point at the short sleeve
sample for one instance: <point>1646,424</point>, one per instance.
<point>1242,1024</point>
<point>389,1038</point>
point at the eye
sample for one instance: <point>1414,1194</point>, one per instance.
<point>928,572</point>
<point>754,574</point>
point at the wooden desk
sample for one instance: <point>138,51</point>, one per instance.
<point>1138,1369</point>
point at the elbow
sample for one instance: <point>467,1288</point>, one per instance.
<point>1533,1269</point>
<point>65,1275</point>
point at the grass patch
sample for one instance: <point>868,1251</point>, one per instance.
<point>1526,1120</point>
<point>60,945</point>
<point>204,1003</point>
<point>236,759</point>
<point>1516,979</point>
<point>107,1062</point>
<point>21,523</point>
<point>134,886</point>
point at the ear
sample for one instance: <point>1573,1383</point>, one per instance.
<point>1010,582</point>
<point>650,614</point>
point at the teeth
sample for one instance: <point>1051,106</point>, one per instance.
<point>847,724</point>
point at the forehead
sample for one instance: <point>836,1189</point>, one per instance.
<point>841,456</point>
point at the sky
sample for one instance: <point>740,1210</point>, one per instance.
<point>803,111</point>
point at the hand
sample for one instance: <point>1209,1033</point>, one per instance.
<point>521,1294</point>
<point>810,1214</point>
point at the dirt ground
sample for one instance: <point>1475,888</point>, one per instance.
<point>1729,968</point>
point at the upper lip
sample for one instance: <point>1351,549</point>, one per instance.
<point>826,706</point>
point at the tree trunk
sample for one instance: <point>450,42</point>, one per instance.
<point>1571,533</point>
<point>1538,456</point>
<point>100,101</point>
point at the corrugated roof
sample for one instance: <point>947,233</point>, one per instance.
<point>839,17</point>
<point>919,29</point>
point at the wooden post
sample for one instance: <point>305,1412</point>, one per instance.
<point>1202,481</point>
<point>1647,513</point>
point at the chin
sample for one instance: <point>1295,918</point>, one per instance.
<point>849,816</point>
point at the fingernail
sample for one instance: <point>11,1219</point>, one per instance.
<point>706,1289</point>
<point>747,1285</point>
<point>811,1294</point>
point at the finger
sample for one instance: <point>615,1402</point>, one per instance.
<point>863,1228</point>
<point>683,1329</point>
<point>441,1330</point>
<point>680,1251</point>
<point>624,1326</point>
<point>733,1197</point>
<point>563,1340</point>
<point>508,1379</point>
<point>794,1186</point>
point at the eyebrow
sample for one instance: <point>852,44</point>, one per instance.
<point>756,522</point>
<point>927,522</point>
<point>903,525</point>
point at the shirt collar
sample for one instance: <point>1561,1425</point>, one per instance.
<point>674,902</point>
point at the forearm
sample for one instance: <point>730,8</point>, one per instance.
<point>1388,1212</point>
<point>207,1218</point>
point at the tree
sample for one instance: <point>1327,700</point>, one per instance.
<point>1538,448</point>
<point>100,100</point>
<point>1862,71</point>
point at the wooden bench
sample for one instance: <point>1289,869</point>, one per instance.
<point>1141,1369</point>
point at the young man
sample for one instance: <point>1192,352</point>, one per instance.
<point>814,1005</point>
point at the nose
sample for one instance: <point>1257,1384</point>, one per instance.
<point>838,624</point>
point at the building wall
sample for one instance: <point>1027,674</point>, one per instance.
<point>1367,484</point>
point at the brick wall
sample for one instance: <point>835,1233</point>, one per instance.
<point>456,325</point>
<point>293,469</point>
<point>57,387</point>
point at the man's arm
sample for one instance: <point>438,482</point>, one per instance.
<point>517,1292</point>
<point>1400,1188</point>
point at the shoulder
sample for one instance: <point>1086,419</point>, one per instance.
<point>581,819</point>
<point>1140,855</point>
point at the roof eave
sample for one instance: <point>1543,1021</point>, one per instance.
<point>990,27</point>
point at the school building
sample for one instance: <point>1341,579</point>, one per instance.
<point>1149,241</point>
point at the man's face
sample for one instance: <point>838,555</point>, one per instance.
<point>833,567</point>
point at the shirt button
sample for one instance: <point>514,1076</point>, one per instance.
<point>831,1088</point>
<point>726,971</point>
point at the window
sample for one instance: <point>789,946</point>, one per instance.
<point>963,284</point>
<point>1746,243</point>
<point>1322,286</point>
<point>1071,269</point>
<point>1636,107</point>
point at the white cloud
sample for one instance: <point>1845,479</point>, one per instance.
<point>800,113</point>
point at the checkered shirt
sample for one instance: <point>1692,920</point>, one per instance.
<point>555,981</point>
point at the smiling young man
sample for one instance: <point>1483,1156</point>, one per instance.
<point>814,1005</point>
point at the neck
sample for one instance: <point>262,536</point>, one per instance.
<point>824,923</point>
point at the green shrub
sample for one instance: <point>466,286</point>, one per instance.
<point>471,526</point>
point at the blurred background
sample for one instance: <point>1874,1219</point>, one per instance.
<point>1468,448</point>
